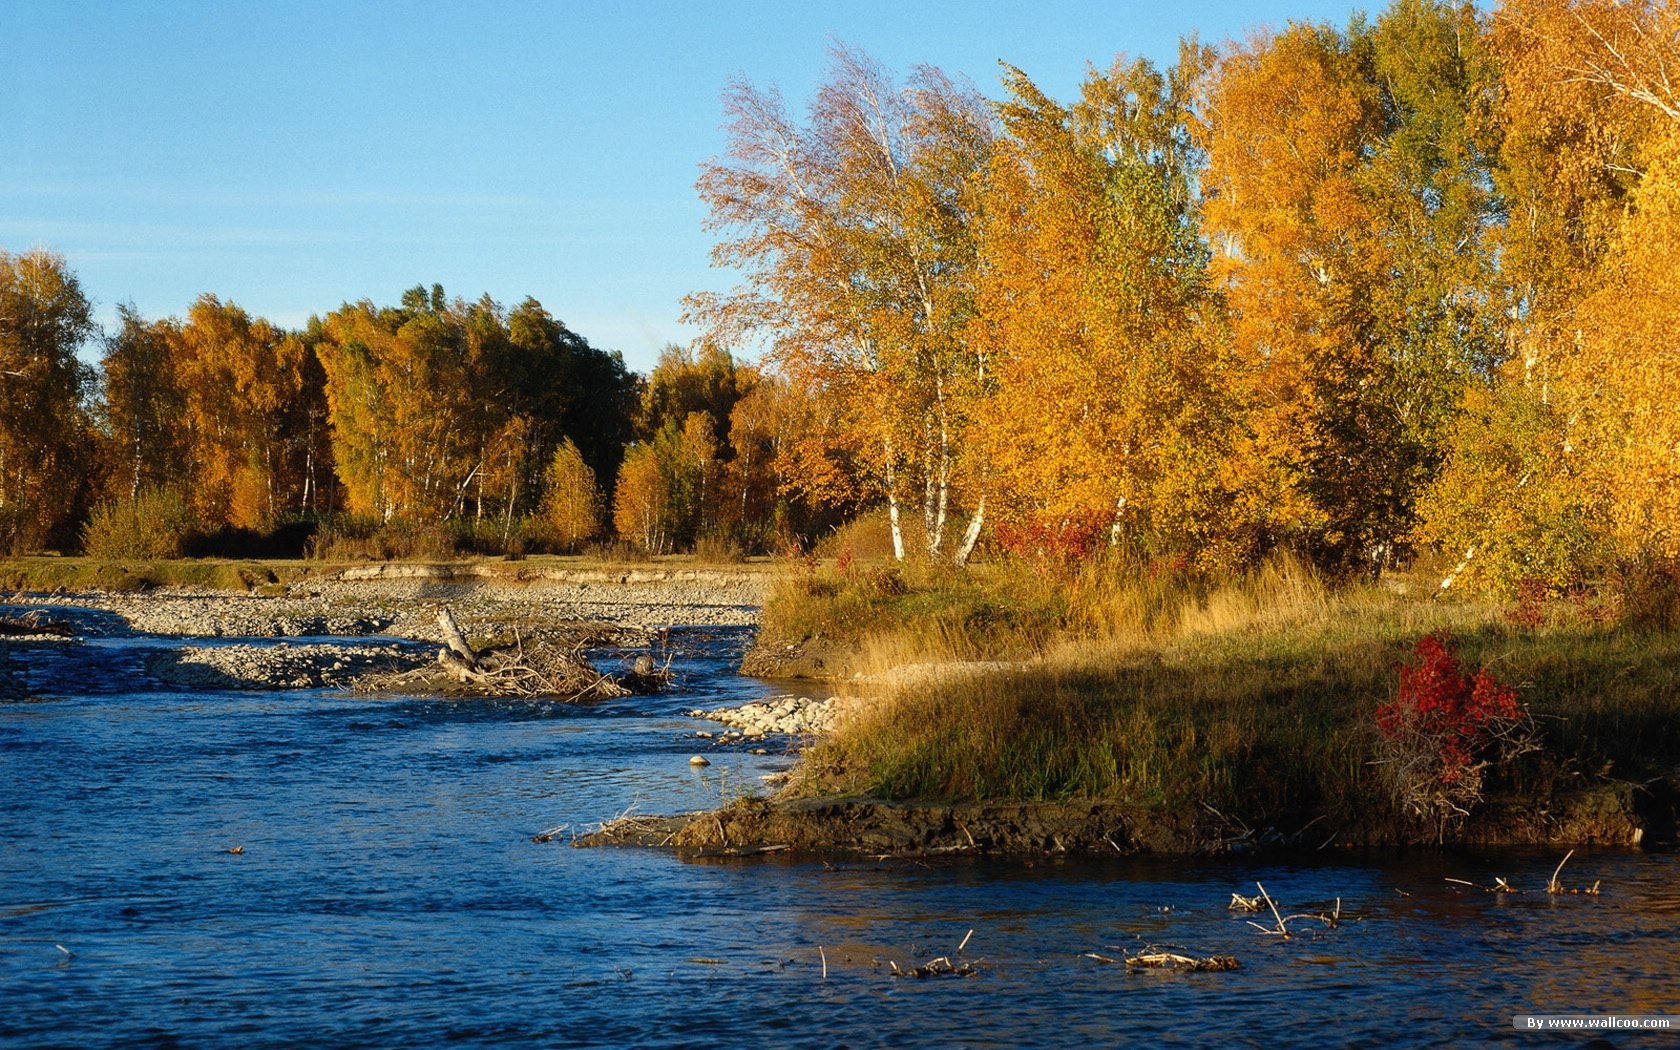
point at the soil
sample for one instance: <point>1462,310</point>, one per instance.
<point>1608,815</point>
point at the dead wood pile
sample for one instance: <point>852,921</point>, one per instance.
<point>547,670</point>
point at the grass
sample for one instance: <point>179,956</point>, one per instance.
<point>45,574</point>
<point>1253,695</point>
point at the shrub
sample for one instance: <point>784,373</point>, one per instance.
<point>1444,729</point>
<point>718,550</point>
<point>157,523</point>
<point>351,539</point>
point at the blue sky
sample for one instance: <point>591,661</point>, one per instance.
<point>292,156</point>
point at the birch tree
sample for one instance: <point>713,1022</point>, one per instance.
<point>855,232</point>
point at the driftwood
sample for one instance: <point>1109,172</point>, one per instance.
<point>1153,958</point>
<point>543,670</point>
<point>35,622</point>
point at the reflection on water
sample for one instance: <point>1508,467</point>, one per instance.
<point>389,893</point>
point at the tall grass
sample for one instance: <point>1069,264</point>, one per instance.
<point>1254,694</point>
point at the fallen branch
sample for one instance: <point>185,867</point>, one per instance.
<point>940,967</point>
<point>549,670</point>
<point>1153,958</point>
<point>1554,887</point>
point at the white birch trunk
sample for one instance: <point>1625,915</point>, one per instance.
<point>971,535</point>
<point>936,538</point>
<point>1463,563</point>
<point>892,505</point>
<point>1114,529</point>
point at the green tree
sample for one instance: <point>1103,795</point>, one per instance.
<point>142,406</point>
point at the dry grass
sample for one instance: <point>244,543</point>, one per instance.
<point>1254,695</point>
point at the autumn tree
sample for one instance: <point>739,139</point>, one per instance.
<point>1104,409</point>
<point>1349,209</point>
<point>571,508</point>
<point>1584,172</point>
<point>248,389</point>
<point>142,407</point>
<point>855,233</point>
<point>45,437</point>
<point>687,379</point>
<point>642,500</point>
<point>451,410</point>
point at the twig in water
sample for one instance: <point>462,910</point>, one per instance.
<point>964,943</point>
<point>940,967</point>
<point>824,961</point>
<point>1153,958</point>
<point>1553,885</point>
<point>1282,930</point>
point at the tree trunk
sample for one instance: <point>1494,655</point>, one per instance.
<point>454,639</point>
<point>892,505</point>
<point>971,535</point>
<point>1114,529</point>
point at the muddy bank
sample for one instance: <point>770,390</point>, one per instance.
<point>1615,814</point>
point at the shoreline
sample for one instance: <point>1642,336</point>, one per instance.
<point>383,617</point>
<point>1613,815</point>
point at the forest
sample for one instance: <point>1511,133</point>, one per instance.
<point>1407,285</point>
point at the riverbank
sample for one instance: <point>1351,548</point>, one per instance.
<point>1135,712</point>
<point>544,602</point>
<point>1610,815</point>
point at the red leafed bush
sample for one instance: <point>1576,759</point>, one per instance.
<point>1068,539</point>
<point>1444,729</point>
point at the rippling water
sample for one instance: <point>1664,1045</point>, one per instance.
<point>389,893</point>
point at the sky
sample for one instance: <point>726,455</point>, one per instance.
<point>293,156</point>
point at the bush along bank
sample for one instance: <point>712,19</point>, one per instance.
<point>1267,709</point>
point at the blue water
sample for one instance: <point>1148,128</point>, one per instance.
<point>389,893</point>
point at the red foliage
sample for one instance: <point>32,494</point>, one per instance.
<point>1445,726</point>
<point>846,558</point>
<point>1061,539</point>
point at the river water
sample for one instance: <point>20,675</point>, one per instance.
<point>389,893</point>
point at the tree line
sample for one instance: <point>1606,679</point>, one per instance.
<point>1356,290</point>
<point>495,429</point>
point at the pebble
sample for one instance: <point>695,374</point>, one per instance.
<point>786,715</point>
<point>698,760</point>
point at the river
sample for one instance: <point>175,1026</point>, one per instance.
<point>387,891</point>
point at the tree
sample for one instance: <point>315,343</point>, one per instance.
<point>642,500</point>
<point>45,434</point>
<point>856,236</point>
<point>142,406</point>
<point>247,388</point>
<point>1349,208</point>
<point>572,502</point>
<point>1092,281</point>
<point>706,378</point>
<point>1571,456</point>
